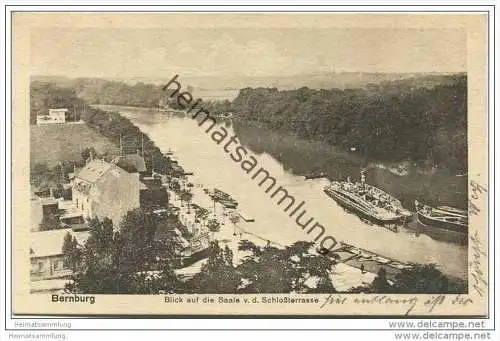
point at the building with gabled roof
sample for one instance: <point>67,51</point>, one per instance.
<point>46,256</point>
<point>104,190</point>
<point>132,161</point>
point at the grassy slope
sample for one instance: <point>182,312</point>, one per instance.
<point>52,143</point>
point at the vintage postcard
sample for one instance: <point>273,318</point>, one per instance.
<point>229,164</point>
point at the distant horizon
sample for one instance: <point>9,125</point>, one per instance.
<point>285,76</point>
<point>219,82</point>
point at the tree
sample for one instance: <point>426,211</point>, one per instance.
<point>71,252</point>
<point>101,236</point>
<point>123,262</point>
<point>41,176</point>
<point>235,219</point>
<point>138,245</point>
<point>87,152</point>
<point>59,175</point>
<point>175,186</point>
<point>164,281</point>
<point>217,275</point>
<point>426,279</point>
<point>380,284</point>
<point>201,215</point>
<point>213,226</point>
<point>187,196</point>
<point>420,279</point>
<point>273,270</point>
<point>96,272</point>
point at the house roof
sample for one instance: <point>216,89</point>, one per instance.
<point>134,160</point>
<point>71,214</point>
<point>49,243</point>
<point>93,170</point>
<point>48,201</point>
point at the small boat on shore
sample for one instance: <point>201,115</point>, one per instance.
<point>245,217</point>
<point>225,199</point>
<point>174,112</point>
<point>369,202</point>
<point>444,218</point>
<point>315,176</point>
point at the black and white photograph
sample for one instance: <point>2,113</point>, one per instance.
<point>325,164</point>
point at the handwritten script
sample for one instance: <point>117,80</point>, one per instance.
<point>479,255</point>
<point>408,304</point>
<point>475,197</point>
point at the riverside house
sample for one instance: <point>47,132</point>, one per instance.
<point>102,189</point>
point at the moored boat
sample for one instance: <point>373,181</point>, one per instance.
<point>443,217</point>
<point>225,199</point>
<point>315,176</point>
<point>368,202</point>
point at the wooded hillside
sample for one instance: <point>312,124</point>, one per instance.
<point>389,122</point>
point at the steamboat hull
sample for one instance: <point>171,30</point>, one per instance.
<point>360,211</point>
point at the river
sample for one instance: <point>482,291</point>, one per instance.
<point>286,157</point>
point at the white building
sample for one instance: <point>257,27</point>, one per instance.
<point>55,116</point>
<point>47,261</point>
<point>104,190</point>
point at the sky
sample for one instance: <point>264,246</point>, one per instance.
<point>230,52</point>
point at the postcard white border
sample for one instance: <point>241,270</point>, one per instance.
<point>232,323</point>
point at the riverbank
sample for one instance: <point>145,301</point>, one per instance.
<point>392,122</point>
<point>211,165</point>
<point>344,276</point>
<point>354,268</point>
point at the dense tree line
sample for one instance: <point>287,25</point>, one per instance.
<point>387,122</point>
<point>98,91</point>
<point>422,120</point>
<point>119,262</point>
<point>420,279</point>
